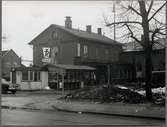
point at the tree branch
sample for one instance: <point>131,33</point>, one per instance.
<point>130,7</point>
<point>150,7</point>
<point>132,36</point>
<point>124,22</point>
<point>157,31</point>
<point>157,11</point>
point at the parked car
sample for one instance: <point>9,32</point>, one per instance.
<point>7,86</point>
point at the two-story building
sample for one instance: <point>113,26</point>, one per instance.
<point>67,45</point>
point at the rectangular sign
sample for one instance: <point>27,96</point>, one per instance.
<point>46,60</point>
<point>46,52</point>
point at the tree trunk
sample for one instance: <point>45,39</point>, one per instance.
<point>148,73</point>
<point>147,50</point>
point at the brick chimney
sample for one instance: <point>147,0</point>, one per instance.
<point>68,22</point>
<point>89,28</point>
<point>99,31</point>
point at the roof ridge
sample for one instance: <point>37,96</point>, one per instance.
<point>92,35</point>
<point>78,30</point>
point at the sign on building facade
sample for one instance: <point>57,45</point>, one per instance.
<point>46,55</point>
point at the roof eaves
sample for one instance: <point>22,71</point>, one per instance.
<point>7,51</point>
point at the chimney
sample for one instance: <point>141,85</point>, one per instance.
<point>68,22</point>
<point>88,28</point>
<point>99,31</point>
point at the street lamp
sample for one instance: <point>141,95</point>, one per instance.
<point>114,21</point>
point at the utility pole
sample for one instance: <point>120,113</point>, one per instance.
<point>0,71</point>
<point>166,62</point>
<point>114,21</point>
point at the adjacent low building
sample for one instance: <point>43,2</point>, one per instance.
<point>57,76</point>
<point>9,60</point>
<point>133,55</point>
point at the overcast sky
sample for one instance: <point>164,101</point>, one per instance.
<point>22,21</point>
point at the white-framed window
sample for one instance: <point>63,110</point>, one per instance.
<point>36,75</point>
<point>85,50</point>
<point>25,75</point>
<point>31,76</point>
<point>78,49</point>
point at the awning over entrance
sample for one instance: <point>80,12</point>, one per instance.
<point>70,67</point>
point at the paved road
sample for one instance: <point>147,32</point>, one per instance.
<point>34,117</point>
<point>29,117</point>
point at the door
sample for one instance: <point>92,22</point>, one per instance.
<point>13,77</point>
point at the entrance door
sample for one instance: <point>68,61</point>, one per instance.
<point>13,77</point>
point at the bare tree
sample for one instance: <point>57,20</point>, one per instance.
<point>141,19</point>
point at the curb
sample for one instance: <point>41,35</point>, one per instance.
<point>77,111</point>
<point>25,108</point>
<point>69,108</point>
<point>13,107</point>
<point>86,112</point>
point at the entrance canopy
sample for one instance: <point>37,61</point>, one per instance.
<point>70,67</point>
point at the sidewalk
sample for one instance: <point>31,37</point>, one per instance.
<point>136,110</point>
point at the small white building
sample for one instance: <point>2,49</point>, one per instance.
<point>30,78</point>
<point>56,76</point>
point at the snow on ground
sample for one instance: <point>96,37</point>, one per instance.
<point>160,90</point>
<point>122,87</point>
<point>47,88</point>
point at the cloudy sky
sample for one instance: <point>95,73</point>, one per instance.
<point>22,21</point>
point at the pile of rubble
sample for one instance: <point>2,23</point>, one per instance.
<point>108,94</point>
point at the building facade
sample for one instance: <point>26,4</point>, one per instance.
<point>66,45</point>
<point>9,60</point>
<point>133,55</point>
<point>29,78</point>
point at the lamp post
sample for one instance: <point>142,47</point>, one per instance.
<point>114,21</point>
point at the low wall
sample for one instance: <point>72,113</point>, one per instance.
<point>30,85</point>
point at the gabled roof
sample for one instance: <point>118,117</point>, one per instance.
<point>134,46</point>
<point>5,52</point>
<point>86,35</point>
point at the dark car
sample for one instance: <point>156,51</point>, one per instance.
<point>7,86</point>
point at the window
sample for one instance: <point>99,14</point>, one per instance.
<point>25,75</point>
<point>139,67</point>
<point>97,52</point>
<point>106,53</point>
<point>78,49</point>
<point>36,76</point>
<point>85,50</point>
<point>39,75</point>
<point>31,75</point>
